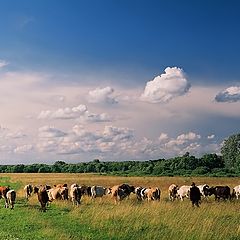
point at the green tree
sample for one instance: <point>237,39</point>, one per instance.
<point>231,152</point>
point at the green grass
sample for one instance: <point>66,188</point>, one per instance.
<point>128,220</point>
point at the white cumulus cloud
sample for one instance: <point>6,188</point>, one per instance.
<point>102,95</point>
<point>231,94</point>
<point>166,87</point>
<point>79,113</point>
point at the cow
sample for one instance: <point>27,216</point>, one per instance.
<point>117,193</point>
<point>28,189</point>
<point>183,192</point>
<point>60,185</point>
<point>11,198</point>
<point>203,190</point>
<point>73,185</point>
<point>98,191</point>
<point>151,193</point>
<point>59,192</point>
<point>236,192</point>
<point>75,195</point>
<point>138,191</point>
<point>127,189</point>
<point>172,192</point>
<point>3,192</point>
<point>195,195</point>
<point>86,190</point>
<point>220,192</point>
<point>42,196</point>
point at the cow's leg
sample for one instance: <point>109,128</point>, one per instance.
<point>12,205</point>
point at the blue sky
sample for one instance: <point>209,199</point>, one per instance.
<point>102,54</point>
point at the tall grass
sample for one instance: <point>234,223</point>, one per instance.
<point>102,219</point>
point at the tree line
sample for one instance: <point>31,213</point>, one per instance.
<point>226,164</point>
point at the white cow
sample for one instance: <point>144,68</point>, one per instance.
<point>98,191</point>
<point>236,191</point>
<point>28,189</point>
<point>183,192</point>
<point>10,199</point>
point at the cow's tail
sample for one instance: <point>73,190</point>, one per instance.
<point>158,194</point>
<point>233,195</point>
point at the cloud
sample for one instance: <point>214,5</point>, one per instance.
<point>188,136</point>
<point>102,95</point>
<point>163,137</point>
<point>16,135</point>
<point>166,87</point>
<point>3,63</point>
<point>64,113</point>
<point>79,113</point>
<point>23,149</point>
<point>182,139</point>
<point>231,94</point>
<point>50,132</point>
<point>211,136</point>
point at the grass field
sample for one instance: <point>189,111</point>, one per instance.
<point>128,220</point>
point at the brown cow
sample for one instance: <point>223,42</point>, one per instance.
<point>42,196</point>
<point>3,192</point>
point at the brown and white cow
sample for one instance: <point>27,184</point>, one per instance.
<point>58,192</point>
<point>3,192</point>
<point>10,199</point>
<point>172,192</point>
<point>151,193</point>
<point>119,192</point>
<point>75,195</point>
<point>42,196</point>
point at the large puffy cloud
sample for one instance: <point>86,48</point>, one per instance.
<point>231,94</point>
<point>166,87</point>
<point>79,113</point>
<point>102,95</point>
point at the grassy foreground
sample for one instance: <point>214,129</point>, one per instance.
<point>128,220</point>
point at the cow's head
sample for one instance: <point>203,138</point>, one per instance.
<point>209,191</point>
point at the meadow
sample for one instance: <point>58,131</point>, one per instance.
<point>130,219</point>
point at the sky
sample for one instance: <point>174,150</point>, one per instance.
<point>117,80</point>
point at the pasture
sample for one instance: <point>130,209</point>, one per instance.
<point>102,219</point>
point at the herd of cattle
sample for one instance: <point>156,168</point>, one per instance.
<point>118,192</point>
